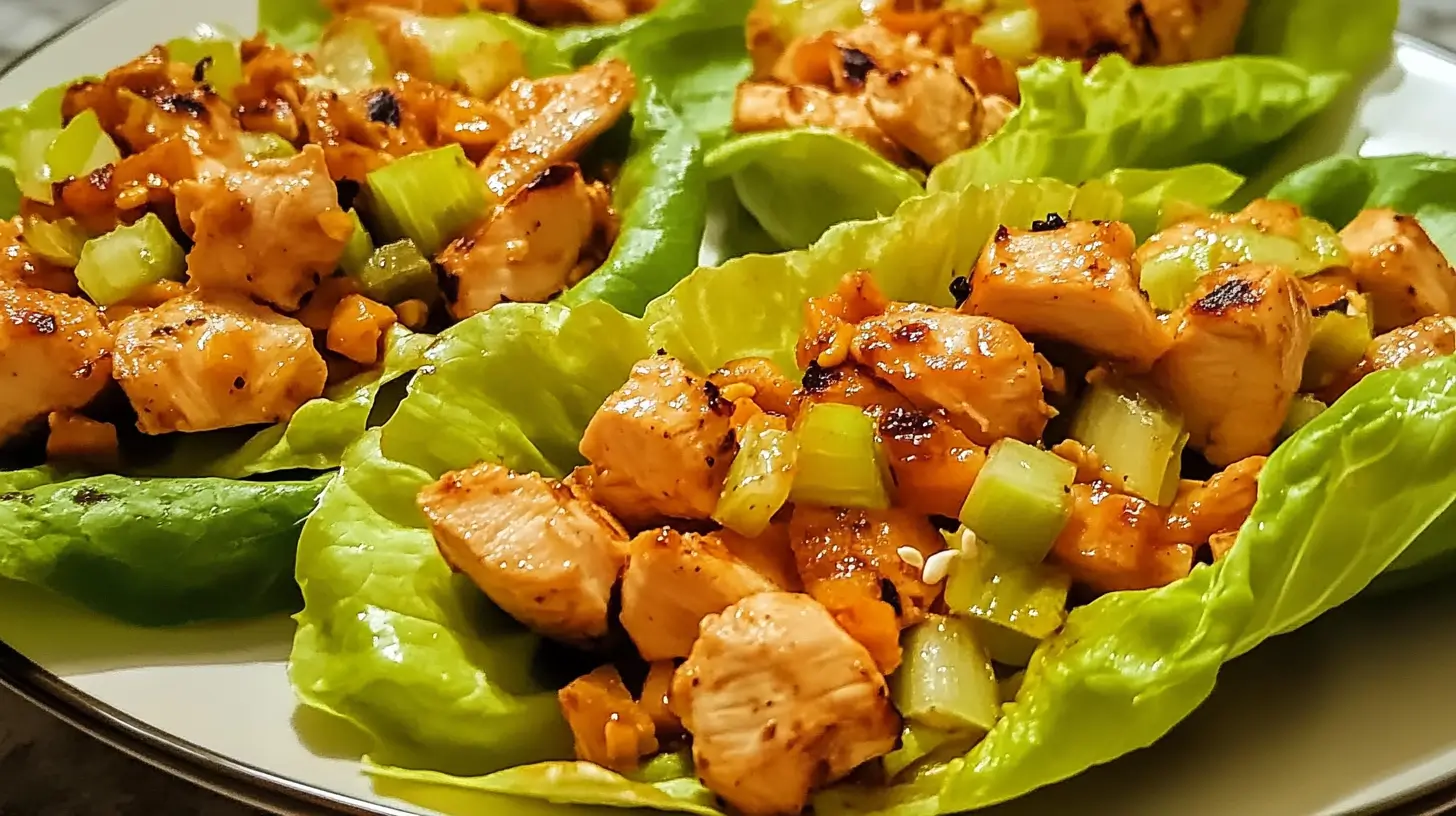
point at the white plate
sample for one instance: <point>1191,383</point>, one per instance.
<point>1351,714</point>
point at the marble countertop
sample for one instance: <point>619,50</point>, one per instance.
<point>48,769</point>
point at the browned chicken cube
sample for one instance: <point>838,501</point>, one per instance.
<point>1113,542</point>
<point>772,391</point>
<point>829,320</point>
<point>980,370</point>
<point>673,581</point>
<point>1160,32</point>
<point>542,553</point>
<point>1203,510</point>
<point>1427,339</point>
<point>152,99</point>
<point>927,108</point>
<point>766,106</point>
<point>770,554</point>
<point>780,701</point>
<point>607,725</point>
<point>20,266</point>
<point>195,364</point>
<point>934,465</point>
<point>55,355</point>
<point>271,230</point>
<point>1237,358</point>
<point>584,106</point>
<point>1394,263</point>
<point>1076,284</point>
<point>667,433</point>
<point>849,561</point>
<point>529,251</point>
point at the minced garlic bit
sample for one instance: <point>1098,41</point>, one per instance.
<point>734,392</point>
<point>937,566</point>
<point>911,556</point>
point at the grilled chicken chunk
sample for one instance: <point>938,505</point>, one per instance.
<point>1113,542</point>
<point>772,391</point>
<point>780,701</point>
<point>829,321</point>
<point>584,106</point>
<point>667,433</point>
<point>1236,361</point>
<point>531,249</point>
<point>848,384</point>
<point>270,99</point>
<point>542,553</point>
<point>1203,510</point>
<point>195,364</point>
<point>927,108</point>
<point>608,726</point>
<point>673,581</point>
<point>1075,283</point>
<point>151,99</point>
<point>1395,264</point>
<point>271,230</point>
<point>121,193</point>
<point>1427,339</point>
<point>981,371</point>
<point>20,266</point>
<point>766,106</point>
<point>934,465</point>
<point>769,555</point>
<point>55,355</point>
<point>849,562</point>
<point>1158,32</point>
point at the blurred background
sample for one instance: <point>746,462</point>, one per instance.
<point>46,768</point>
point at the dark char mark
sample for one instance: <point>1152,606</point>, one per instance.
<point>1052,222</point>
<point>383,107</point>
<point>817,379</point>
<point>900,423</point>
<point>960,289</point>
<point>553,176</point>
<point>1227,295</point>
<point>857,64</point>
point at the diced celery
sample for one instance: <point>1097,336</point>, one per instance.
<point>946,681</point>
<point>358,251</point>
<point>1019,502</point>
<point>917,742</point>
<point>59,242</point>
<point>260,146</point>
<point>32,172</point>
<point>1014,36</point>
<point>352,55</point>
<point>477,52</point>
<point>806,18</point>
<point>116,265</point>
<point>1015,605</point>
<point>840,463</point>
<point>215,60</point>
<point>1337,341</point>
<point>1136,435</point>
<point>398,272</point>
<point>82,146</point>
<point>430,198</point>
<point>759,481</point>
<point>1302,411</point>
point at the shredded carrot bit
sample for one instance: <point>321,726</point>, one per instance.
<point>357,328</point>
<point>76,438</point>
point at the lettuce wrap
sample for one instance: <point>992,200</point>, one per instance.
<point>458,699</point>
<point>1293,59</point>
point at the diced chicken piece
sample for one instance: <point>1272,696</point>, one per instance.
<point>656,699</point>
<point>849,561</point>
<point>199,365</point>
<point>152,99</point>
<point>780,701</point>
<point>927,108</point>
<point>530,249</point>
<point>667,433</point>
<point>1113,542</point>
<point>673,581</point>
<point>121,193</point>
<point>980,370</point>
<point>1159,32</point>
<point>542,553</point>
<point>1395,263</point>
<point>608,726</point>
<point>1220,505</point>
<point>829,321</point>
<point>766,106</point>
<point>20,266</point>
<point>55,355</point>
<point>272,230</point>
<point>1428,339</point>
<point>74,438</point>
<point>1237,357</point>
<point>270,99</point>
<point>567,12</point>
<point>769,555</point>
<point>585,105</point>
<point>1076,284</point>
<point>772,391</point>
<point>848,384</point>
<point>934,465</point>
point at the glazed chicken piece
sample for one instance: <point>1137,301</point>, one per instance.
<point>934,465</point>
<point>585,105</point>
<point>848,384</point>
<point>849,562</point>
<point>535,246</point>
<point>673,581</point>
<point>772,391</point>
<point>271,97</point>
<point>608,726</point>
<point>272,230</point>
<point>1156,32</point>
<point>769,555</point>
<point>544,554</point>
<point>667,434</point>
<point>1428,339</point>
<point>927,108</point>
<point>195,364</point>
<point>1113,542</point>
<point>980,370</point>
<point>1203,510</point>
<point>1395,264</point>
<point>768,106</point>
<point>151,99</point>
<point>55,355</point>
<point>829,321</point>
<point>20,266</point>
<point>780,701</point>
<point>121,193</point>
<point>1237,358</point>
<point>1073,282</point>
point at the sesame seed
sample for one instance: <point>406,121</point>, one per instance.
<point>911,556</point>
<point>937,566</point>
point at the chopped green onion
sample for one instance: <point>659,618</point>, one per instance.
<point>1136,436</point>
<point>398,272</point>
<point>946,681</point>
<point>261,146</point>
<point>358,250</point>
<point>431,198</point>
<point>759,481</point>
<point>1015,605</point>
<point>1014,36</point>
<point>352,55</point>
<point>59,242</point>
<point>917,742</point>
<point>1020,501</point>
<point>126,260</point>
<point>476,52</point>
<point>1302,410</point>
<point>216,59</point>
<point>1337,342</point>
<point>841,463</point>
